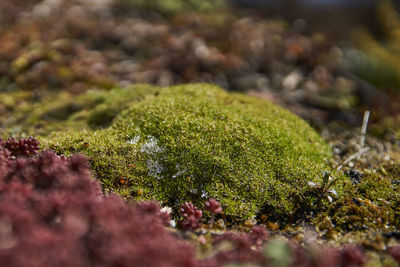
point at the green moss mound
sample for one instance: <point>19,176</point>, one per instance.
<point>192,142</point>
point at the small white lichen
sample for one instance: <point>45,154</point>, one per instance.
<point>152,150</point>
<point>194,191</point>
<point>179,171</point>
<point>151,146</point>
<point>134,140</point>
<point>155,168</point>
<point>166,209</point>
<point>312,184</point>
<point>332,191</point>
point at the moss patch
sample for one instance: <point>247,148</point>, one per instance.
<point>54,111</point>
<point>173,7</point>
<point>189,143</point>
<point>371,203</point>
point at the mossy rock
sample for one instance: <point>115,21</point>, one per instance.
<point>193,142</point>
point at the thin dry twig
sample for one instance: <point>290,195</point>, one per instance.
<point>363,149</point>
<point>355,155</point>
<point>364,128</point>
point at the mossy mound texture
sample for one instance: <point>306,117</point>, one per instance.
<point>193,142</point>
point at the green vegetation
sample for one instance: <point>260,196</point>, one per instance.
<point>189,143</point>
<point>196,143</point>
<point>379,61</point>
<point>171,7</point>
<point>233,147</point>
<point>370,203</point>
<point>62,110</point>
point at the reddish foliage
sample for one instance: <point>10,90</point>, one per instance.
<point>52,213</point>
<point>258,235</point>
<point>212,205</point>
<point>395,252</point>
<point>300,257</point>
<point>324,257</point>
<point>242,250</point>
<point>352,256</point>
<point>154,208</point>
<point>191,216</point>
<point>22,147</point>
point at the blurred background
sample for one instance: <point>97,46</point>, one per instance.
<point>336,18</point>
<point>326,60</point>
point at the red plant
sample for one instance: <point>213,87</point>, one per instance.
<point>22,147</point>
<point>321,256</point>
<point>52,213</point>
<point>352,256</point>
<point>191,216</point>
<point>395,252</point>
<point>245,248</point>
<point>258,236</point>
<point>212,205</point>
